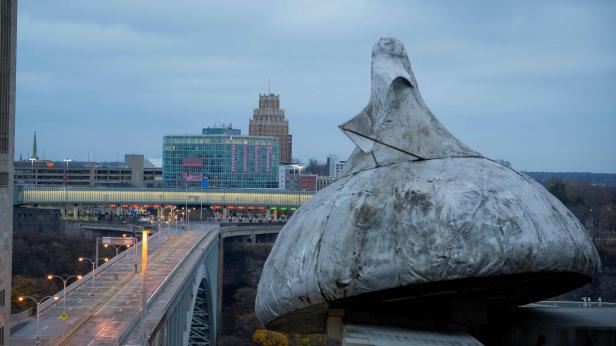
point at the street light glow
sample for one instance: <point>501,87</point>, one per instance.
<point>79,277</point>
<point>49,277</point>
<point>80,259</point>
<point>56,298</point>
<point>21,299</point>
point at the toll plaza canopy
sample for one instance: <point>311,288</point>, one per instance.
<point>35,194</point>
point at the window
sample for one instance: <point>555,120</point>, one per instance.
<point>2,298</point>
<point>4,179</point>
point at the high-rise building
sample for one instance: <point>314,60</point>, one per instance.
<point>332,160</point>
<point>269,120</point>
<point>218,159</point>
<point>8,28</point>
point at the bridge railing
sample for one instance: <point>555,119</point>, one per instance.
<point>23,316</point>
<point>573,304</point>
<point>39,194</point>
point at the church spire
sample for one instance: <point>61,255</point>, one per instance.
<point>34,151</point>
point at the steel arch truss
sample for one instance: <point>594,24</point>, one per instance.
<point>201,317</point>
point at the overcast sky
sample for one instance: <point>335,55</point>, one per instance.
<point>532,82</point>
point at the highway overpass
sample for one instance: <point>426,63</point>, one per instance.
<point>59,195</point>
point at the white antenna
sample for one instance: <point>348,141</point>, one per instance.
<point>269,89</point>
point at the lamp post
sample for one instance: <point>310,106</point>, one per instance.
<point>66,160</point>
<point>135,246</point>
<point>32,159</point>
<point>144,267</point>
<point>64,280</point>
<point>94,265</point>
<point>116,247</point>
<point>186,208</point>
<point>38,303</point>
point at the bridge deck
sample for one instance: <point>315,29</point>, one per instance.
<point>101,319</point>
<point>157,307</point>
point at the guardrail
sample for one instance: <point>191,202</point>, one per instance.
<point>573,304</point>
<point>22,316</point>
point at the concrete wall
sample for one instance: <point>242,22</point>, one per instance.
<point>8,28</point>
<point>135,163</point>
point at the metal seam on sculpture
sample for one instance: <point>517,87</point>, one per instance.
<point>318,247</point>
<point>383,143</point>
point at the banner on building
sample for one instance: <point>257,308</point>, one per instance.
<point>190,176</point>
<point>205,181</point>
<point>268,160</point>
<point>192,162</point>
<point>257,162</point>
<point>245,158</point>
<point>233,158</point>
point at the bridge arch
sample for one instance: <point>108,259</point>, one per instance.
<point>202,322</point>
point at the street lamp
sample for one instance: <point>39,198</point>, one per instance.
<point>116,247</point>
<point>64,280</point>
<point>38,311</point>
<point>66,160</point>
<point>94,265</point>
<point>144,270</point>
<point>32,159</point>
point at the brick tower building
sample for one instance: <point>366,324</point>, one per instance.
<point>268,120</point>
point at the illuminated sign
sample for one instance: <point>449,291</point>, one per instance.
<point>233,158</point>
<point>245,163</point>
<point>122,241</point>
<point>268,160</point>
<point>191,176</point>
<point>192,162</point>
<point>257,163</point>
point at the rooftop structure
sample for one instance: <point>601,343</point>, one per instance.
<point>222,130</point>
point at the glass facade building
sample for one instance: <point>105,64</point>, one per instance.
<point>220,161</point>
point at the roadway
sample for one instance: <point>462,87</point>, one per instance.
<point>102,318</point>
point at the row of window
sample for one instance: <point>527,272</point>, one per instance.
<point>70,171</point>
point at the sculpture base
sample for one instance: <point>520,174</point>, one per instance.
<point>463,302</point>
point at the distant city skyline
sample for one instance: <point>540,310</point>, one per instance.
<point>515,81</point>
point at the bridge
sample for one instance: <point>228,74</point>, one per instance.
<point>182,289</point>
<point>57,195</point>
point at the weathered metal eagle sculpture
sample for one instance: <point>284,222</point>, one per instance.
<point>418,214</point>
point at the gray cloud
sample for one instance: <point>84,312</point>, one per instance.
<point>529,82</point>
